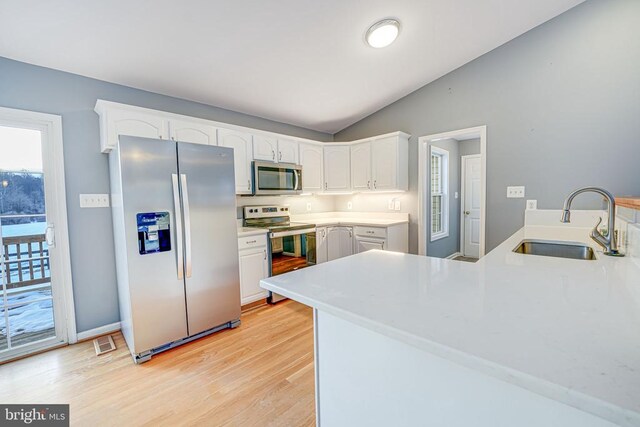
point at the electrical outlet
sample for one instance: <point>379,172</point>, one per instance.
<point>94,200</point>
<point>532,205</point>
<point>391,204</point>
<point>308,206</point>
<point>455,195</point>
<point>349,205</point>
<point>396,205</point>
<point>515,192</point>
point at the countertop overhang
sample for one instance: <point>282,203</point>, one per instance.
<point>565,329</point>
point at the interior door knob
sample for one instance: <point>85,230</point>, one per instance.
<point>467,212</point>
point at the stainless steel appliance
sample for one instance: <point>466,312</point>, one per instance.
<point>174,221</point>
<point>276,178</point>
<point>291,244</point>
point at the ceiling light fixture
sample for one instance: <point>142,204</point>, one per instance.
<point>382,33</point>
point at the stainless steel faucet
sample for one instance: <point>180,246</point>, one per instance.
<point>609,242</point>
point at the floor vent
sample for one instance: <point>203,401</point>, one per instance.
<point>104,344</point>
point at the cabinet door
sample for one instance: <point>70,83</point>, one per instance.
<point>241,144</point>
<point>363,245</point>
<point>361,166</point>
<point>337,168</point>
<point>385,163</point>
<point>321,245</point>
<point>311,157</point>
<point>253,268</point>
<point>339,242</point>
<point>265,148</point>
<point>136,124</point>
<point>287,151</point>
<point>196,133</point>
<point>346,241</point>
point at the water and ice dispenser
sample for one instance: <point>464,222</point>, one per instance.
<point>154,232</point>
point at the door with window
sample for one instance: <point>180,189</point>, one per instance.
<point>33,313</point>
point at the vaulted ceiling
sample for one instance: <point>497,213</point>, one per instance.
<point>302,62</point>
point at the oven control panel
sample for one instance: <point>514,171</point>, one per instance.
<point>265,211</point>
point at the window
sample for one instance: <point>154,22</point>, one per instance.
<point>439,193</point>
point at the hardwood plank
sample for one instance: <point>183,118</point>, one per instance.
<point>258,374</point>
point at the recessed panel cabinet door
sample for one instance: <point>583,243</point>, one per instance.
<point>241,144</point>
<point>385,163</point>
<point>195,133</point>
<point>321,245</point>
<point>311,160</point>
<point>361,166</point>
<point>132,123</point>
<point>253,268</point>
<point>339,242</point>
<point>265,148</point>
<point>337,168</point>
<point>287,151</point>
<point>363,245</point>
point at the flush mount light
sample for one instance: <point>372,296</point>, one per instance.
<point>382,33</point>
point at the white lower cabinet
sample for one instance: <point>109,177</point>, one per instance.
<point>392,238</point>
<point>321,245</point>
<point>364,244</point>
<point>339,242</point>
<point>254,266</point>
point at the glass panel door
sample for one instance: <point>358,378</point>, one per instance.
<point>26,295</point>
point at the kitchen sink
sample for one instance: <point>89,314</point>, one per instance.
<point>555,249</point>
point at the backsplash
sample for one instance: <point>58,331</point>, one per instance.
<point>628,229</point>
<point>297,204</point>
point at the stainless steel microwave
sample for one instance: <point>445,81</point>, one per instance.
<point>276,178</point>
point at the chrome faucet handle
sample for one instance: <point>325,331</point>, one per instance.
<point>598,237</point>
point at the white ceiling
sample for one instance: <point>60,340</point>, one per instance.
<point>302,62</point>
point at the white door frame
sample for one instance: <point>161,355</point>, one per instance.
<point>53,162</point>
<point>423,181</point>
<point>462,196</point>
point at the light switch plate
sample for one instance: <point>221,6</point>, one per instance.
<point>349,205</point>
<point>532,205</point>
<point>94,200</point>
<point>515,192</point>
<point>396,205</point>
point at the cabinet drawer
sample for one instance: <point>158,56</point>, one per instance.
<point>252,241</point>
<point>371,232</point>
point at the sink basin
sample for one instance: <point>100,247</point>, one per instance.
<point>555,249</point>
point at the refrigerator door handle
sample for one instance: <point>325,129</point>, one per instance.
<point>178,216</point>
<point>187,223</point>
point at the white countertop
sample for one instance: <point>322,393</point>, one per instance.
<point>565,329</point>
<point>358,221</point>
<point>251,231</point>
<point>378,219</point>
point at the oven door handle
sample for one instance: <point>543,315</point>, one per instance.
<point>292,233</point>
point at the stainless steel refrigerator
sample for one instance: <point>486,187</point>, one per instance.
<point>176,245</point>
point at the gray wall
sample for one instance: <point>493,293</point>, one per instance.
<point>446,246</point>
<point>469,147</point>
<point>561,104</point>
<point>73,97</point>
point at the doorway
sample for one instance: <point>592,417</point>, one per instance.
<point>452,194</point>
<point>36,301</point>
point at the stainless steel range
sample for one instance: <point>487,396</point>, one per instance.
<point>292,244</point>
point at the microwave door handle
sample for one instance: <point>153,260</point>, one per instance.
<point>178,220</point>
<point>295,172</point>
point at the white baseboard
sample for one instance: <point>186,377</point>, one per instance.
<point>96,332</point>
<point>454,255</point>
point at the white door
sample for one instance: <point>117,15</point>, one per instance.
<point>384,169</point>
<point>363,245</point>
<point>136,124</point>
<point>265,148</point>
<point>287,151</point>
<point>471,195</point>
<point>321,245</point>
<point>36,300</point>
<point>241,144</point>
<point>346,241</point>
<point>253,268</point>
<point>311,161</point>
<point>337,168</point>
<point>195,133</point>
<point>361,166</point>
<point>339,242</point>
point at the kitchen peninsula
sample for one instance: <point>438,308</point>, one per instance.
<point>513,339</point>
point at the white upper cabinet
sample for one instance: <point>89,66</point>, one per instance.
<point>287,151</point>
<point>389,163</point>
<point>196,133</point>
<point>337,168</point>
<point>361,166</point>
<point>132,123</point>
<point>241,144</point>
<point>311,159</point>
<point>265,148</point>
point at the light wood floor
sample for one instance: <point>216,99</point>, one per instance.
<point>258,374</point>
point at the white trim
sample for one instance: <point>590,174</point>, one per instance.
<point>444,179</point>
<point>462,190</point>
<point>454,255</point>
<point>53,163</point>
<point>96,332</point>
<point>423,143</point>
